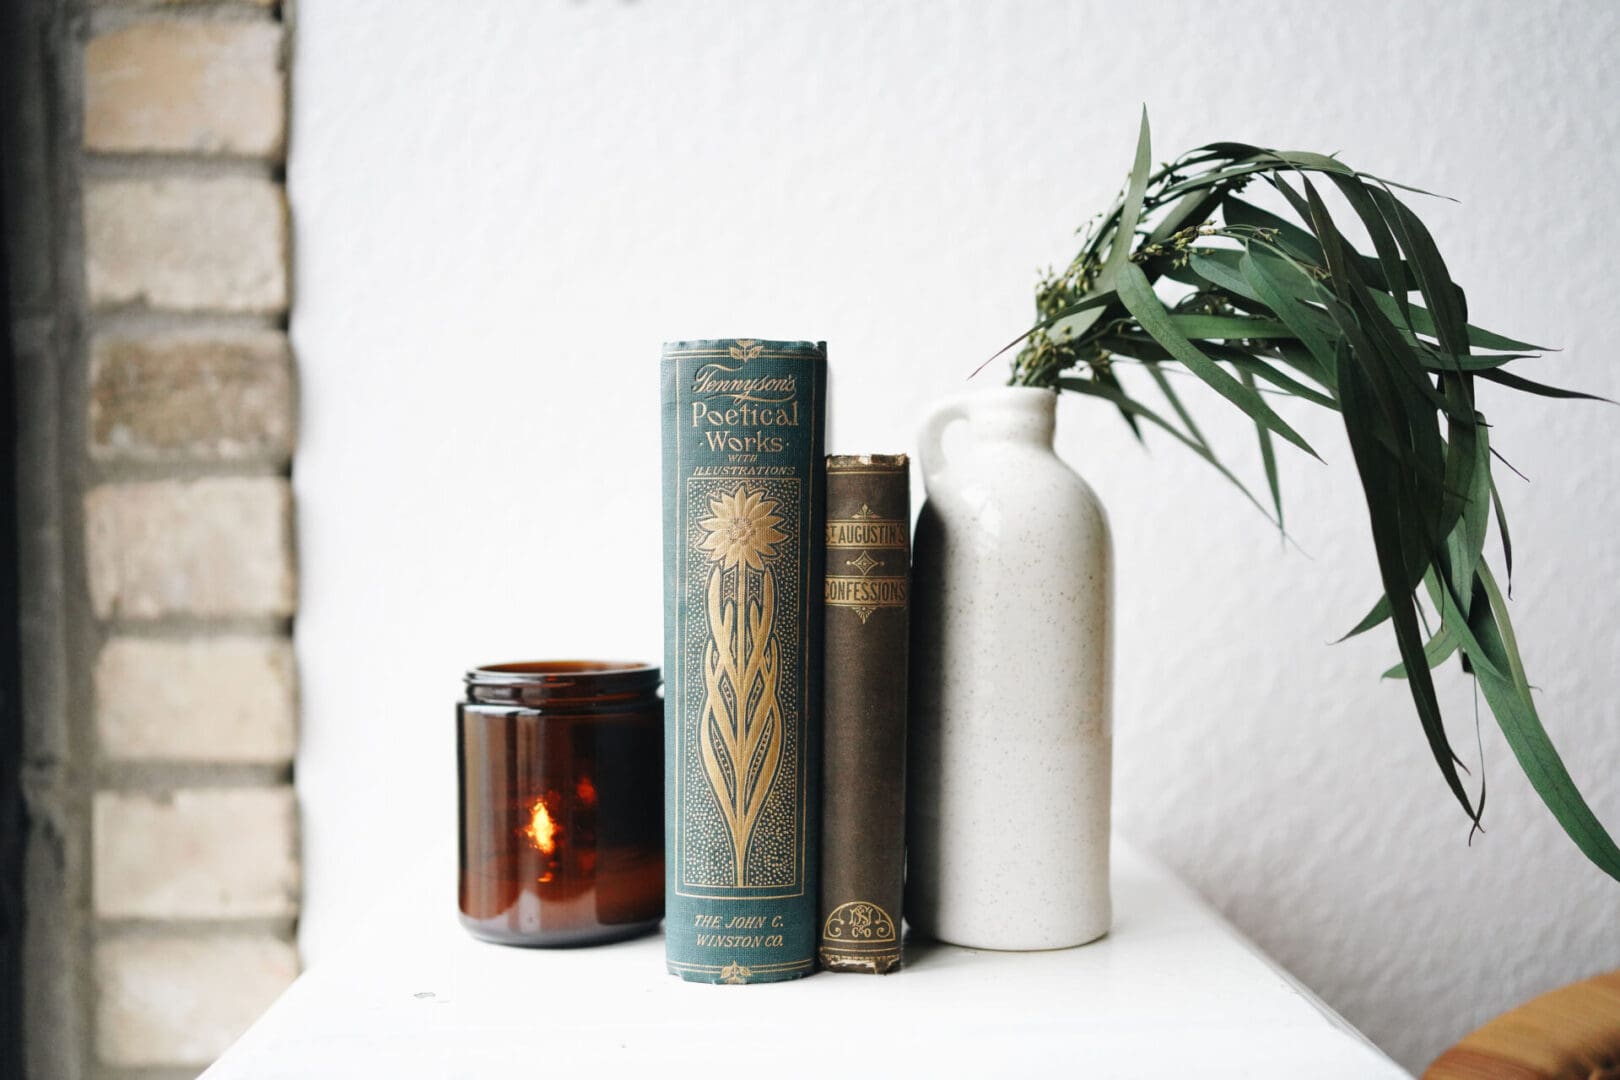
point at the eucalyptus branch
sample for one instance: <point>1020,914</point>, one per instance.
<point>1283,305</point>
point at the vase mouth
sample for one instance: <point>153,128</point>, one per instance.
<point>1032,402</point>
<point>1015,393</point>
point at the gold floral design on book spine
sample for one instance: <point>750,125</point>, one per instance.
<point>740,737</point>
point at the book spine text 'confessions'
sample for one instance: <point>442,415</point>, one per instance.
<point>743,519</point>
<point>868,539</point>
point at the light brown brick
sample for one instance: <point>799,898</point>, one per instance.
<point>211,547</point>
<point>212,396</point>
<point>221,853</point>
<point>186,3</point>
<point>231,699</point>
<point>183,1000</point>
<point>186,86</point>
<point>187,244</point>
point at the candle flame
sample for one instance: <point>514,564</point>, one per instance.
<point>541,830</point>
<point>586,791</point>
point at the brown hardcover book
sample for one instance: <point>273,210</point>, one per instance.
<point>863,801</point>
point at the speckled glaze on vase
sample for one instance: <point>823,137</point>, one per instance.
<point>1011,732</point>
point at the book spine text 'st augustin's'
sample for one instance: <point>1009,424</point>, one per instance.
<point>743,520</point>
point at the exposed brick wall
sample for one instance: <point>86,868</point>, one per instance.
<point>188,431</point>
<point>147,263</point>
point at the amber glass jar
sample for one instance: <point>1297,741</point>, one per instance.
<point>561,784</point>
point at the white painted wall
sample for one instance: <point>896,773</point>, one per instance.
<point>503,208</point>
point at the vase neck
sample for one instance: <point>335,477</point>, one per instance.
<point>1017,418</point>
<point>1021,415</point>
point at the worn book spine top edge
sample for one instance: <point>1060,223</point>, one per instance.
<point>854,462</point>
<point>769,348</point>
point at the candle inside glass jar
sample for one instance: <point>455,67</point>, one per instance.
<point>542,833</point>
<point>561,802</point>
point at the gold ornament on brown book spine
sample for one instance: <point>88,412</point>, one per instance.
<point>867,543</point>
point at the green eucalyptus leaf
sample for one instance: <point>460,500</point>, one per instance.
<point>1274,283</point>
<point>1302,360</point>
<point>1107,378</point>
<point>1406,187</point>
<point>1474,363</point>
<point>1300,244</point>
<point>1376,469</point>
<point>1174,399</point>
<point>1128,404</point>
<point>1256,367</point>
<point>1307,161</point>
<point>1223,151</point>
<point>1229,327</point>
<point>1468,494</point>
<point>1444,298</point>
<point>1515,711</point>
<point>1502,531</point>
<point>1139,299</point>
<point>1423,323</point>
<point>1267,161</point>
<point>1295,240</point>
<point>1210,179</point>
<point>1376,615</point>
<point>1125,233</point>
<point>1439,648</point>
<point>1297,203</point>
<point>1389,264</point>
<point>1530,386</point>
<point>1268,458</point>
<point>1220,269</point>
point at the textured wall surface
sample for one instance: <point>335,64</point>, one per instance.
<point>502,209</point>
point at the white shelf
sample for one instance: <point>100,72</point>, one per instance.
<point>1173,990</point>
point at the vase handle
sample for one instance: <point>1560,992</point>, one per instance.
<point>931,440</point>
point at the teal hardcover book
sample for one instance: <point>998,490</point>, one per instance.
<point>743,521</point>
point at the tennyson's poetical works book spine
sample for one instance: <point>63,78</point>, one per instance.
<point>744,514</point>
<point>864,712</point>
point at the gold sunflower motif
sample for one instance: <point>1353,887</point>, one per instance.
<point>742,529</point>
<point>740,741</point>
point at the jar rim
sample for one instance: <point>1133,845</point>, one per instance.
<point>562,684</point>
<point>556,672</point>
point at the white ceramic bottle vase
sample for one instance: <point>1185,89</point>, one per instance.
<point>1011,736</point>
